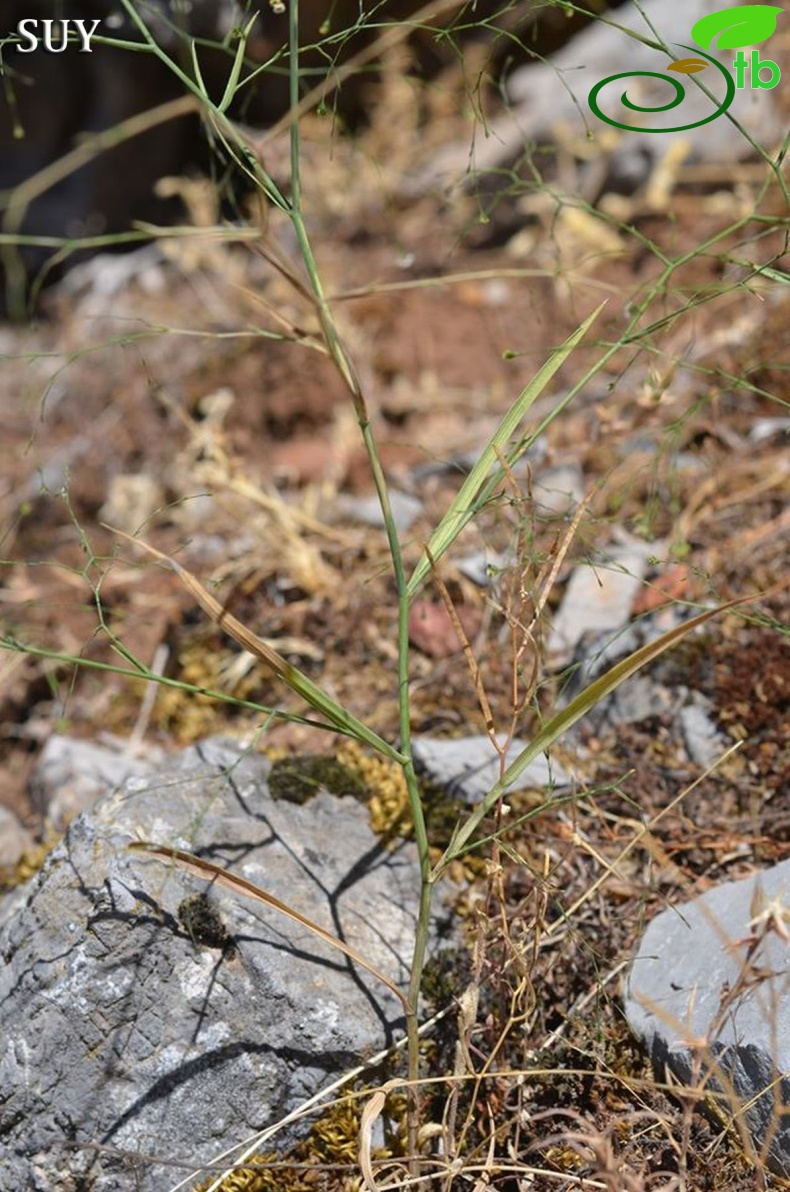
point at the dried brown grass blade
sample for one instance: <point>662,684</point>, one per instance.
<point>370,1114</point>
<point>240,885</point>
<point>310,692</point>
<point>219,615</point>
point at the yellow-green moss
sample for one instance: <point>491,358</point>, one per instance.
<point>333,1140</point>
<point>29,863</point>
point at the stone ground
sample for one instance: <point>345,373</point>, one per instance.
<point>191,400</point>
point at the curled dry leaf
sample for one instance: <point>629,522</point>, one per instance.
<point>369,1115</point>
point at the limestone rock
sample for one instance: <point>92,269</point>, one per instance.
<point>468,767</point>
<point>709,993</point>
<point>161,1025</point>
<point>15,839</point>
<point>70,775</point>
<point>598,599</point>
<point>704,743</point>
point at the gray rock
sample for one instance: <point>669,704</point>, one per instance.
<point>127,1022</point>
<point>767,428</point>
<point>483,567</point>
<point>704,743</point>
<point>559,490</point>
<point>597,652</point>
<point>70,775</point>
<point>638,699</point>
<point>598,598</point>
<point>14,838</point>
<point>709,993</point>
<point>468,767</point>
<point>405,509</point>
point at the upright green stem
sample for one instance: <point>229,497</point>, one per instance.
<point>415,804</point>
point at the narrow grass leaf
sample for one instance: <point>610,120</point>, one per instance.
<point>290,675</point>
<point>240,885</point>
<point>464,507</point>
<point>145,674</point>
<point>238,61</point>
<point>561,721</point>
<point>196,67</point>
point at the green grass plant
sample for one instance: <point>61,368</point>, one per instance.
<point>516,433</point>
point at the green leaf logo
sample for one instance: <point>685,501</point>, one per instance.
<point>688,65</point>
<point>741,25</point>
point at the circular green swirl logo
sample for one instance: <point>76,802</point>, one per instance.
<point>680,94</point>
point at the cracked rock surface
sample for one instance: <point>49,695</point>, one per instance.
<point>163,1019</point>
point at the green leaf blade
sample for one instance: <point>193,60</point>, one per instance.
<point>466,503</point>
<point>561,721</point>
